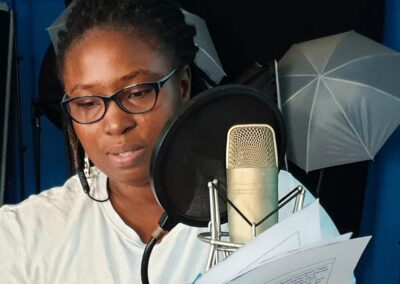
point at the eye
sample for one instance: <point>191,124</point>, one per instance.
<point>135,95</point>
<point>86,103</point>
<point>138,92</point>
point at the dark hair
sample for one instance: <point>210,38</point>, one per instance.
<point>157,21</point>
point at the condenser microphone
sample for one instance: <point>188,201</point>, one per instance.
<point>252,179</point>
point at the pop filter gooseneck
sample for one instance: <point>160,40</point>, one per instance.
<point>190,151</point>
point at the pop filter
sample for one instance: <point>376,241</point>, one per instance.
<point>191,149</point>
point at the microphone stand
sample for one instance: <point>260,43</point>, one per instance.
<point>215,235</point>
<point>21,147</point>
<point>12,69</point>
<point>7,96</point>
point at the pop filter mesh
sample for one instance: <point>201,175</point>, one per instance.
<point>191,149</point>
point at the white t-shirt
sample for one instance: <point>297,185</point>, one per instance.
<point>62,236</point>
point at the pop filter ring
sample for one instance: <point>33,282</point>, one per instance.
<point>237,104</point>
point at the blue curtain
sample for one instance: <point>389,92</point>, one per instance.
<point>32,18</point>
<point>381,260</point>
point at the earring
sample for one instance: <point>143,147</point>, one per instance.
<point>86,166</point>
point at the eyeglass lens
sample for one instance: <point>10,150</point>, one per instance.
<point>135,99</point>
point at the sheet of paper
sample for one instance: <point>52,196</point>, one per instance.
<point>339,238</point>
<point>299,230</point>
<point>323,264</point>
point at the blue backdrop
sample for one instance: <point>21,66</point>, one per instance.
<point>32,19</point>
<point>381,260</point>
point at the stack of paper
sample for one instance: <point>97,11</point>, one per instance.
<point>291,252</point>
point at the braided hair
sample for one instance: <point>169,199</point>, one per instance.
<point>160,20</point>
<point>157,21</point>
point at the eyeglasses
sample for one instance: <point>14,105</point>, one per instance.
<point>136,99</point>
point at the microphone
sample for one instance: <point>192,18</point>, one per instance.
<point>252,179</point>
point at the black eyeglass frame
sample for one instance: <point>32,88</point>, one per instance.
<point>115,97</point>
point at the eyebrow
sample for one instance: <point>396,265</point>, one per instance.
<point>125,78</point>
<point>81,87</point>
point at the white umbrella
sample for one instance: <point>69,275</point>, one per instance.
<point>340,99</point>
<point>206,58</point>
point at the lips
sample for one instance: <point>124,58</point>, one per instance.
<point>126,156</point>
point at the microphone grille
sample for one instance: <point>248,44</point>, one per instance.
<point>251,146</point>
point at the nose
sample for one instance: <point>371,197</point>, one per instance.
<point>116,121</point>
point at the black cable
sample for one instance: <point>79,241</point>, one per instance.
<point>81,174</point>
<point>165,224</point>
<point>86,187</point>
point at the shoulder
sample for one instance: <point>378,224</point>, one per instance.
<point>54,201</point>
<point>48,211</point>
<point>35,232</point>
<point>29,223</point>
<point>47,216</point>
<point>56,198</point>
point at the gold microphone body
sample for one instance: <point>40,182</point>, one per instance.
<point>252,179</point>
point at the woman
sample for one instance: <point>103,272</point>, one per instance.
<point>126,68</point>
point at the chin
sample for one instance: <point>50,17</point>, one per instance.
<point>130,177</point>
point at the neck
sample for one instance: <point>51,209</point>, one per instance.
<point>137,207</point>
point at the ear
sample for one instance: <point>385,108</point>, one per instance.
<point>185,83</point>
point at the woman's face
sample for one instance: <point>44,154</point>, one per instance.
<point>103,62</point>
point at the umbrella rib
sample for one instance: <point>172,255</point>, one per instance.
<point>211,58</point>
<point>348,120</point>
<point>364,85</point>
<point>298,75</point>
<point>328,59</point>
<point>354,60</point>
<point>298,92</point>
<point>309,122</point>
<point>312,64</point>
